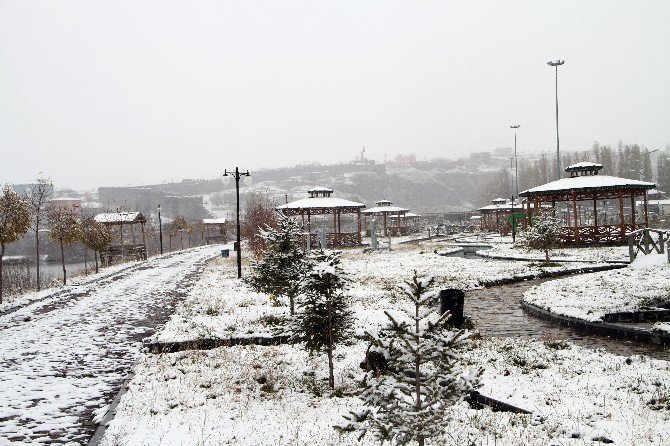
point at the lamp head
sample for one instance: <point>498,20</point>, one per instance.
<point>555,63</point>
<point>514,126</point>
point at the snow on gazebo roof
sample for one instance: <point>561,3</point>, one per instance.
<point>320,189</point>
<point>587,183</point>
<point>518,206</point>
<point>320,203</point>
<point>117,218</point>
<point>383,203</point>
<point>385,210</point>
<point>584,165</point>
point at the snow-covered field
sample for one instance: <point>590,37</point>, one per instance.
<point>64,356</point>
<point>220,306</point>
<point>278,395</point>
<point>595,254</point>
<point>645,283</point>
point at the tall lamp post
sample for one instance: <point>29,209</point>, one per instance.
<point>160,229</point>
<point>516,161</point>
<point>556,64</point>
<point>237,174</point>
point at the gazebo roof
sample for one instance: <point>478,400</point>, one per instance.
<point>587,183</point>
<point>584,165</point>
<point>503,207</point>
<point>385,210</point>
<point>118,218</point>
<point>320,203</point>
<point>320,189</point>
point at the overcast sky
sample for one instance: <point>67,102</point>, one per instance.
<point>128,92</point>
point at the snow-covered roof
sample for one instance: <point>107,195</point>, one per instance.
<point>505,207</point>
<point>214,221</point>
<point>589,182</point>
<point>320,189</point>
<point>320,203</point>
<point>584,165</point>
<point>385,210</point>
<point>383,203</point>
<point>112,218</point>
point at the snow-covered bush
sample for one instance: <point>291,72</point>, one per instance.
<point>324,319</point>
<point>424,375</point>
<point>283,265</point>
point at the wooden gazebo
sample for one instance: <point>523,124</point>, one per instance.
<point>386,211</point>
<point>216,230</point>
<point>594,208</point>
<point>320,203</point>
<point>495,216</point>
<point>119,249</point>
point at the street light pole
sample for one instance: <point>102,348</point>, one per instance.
<point>556,64</point>
<point>237,174</point>
<point>516,162</point>
<point>160,229</point>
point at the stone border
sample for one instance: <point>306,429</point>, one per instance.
<point>600,328</point>
<point>485,255</point>
<point>551,274</point>
<point>211,343</point>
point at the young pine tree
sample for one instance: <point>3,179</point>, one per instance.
<point>544,234</point>
<point>324,319</point>
<point>283,265</point>
<point>424,377</point>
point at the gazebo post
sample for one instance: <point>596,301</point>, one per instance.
<point>359,226</point>
<point>385,231</point>
<point>632,209</point>
<point>621,218</point>
<point>646,210</point>
<point>574,213</point>
<point>595,213</point>
<point>335,231</point>
<point>122,253</point>
<point>144,241</point>
<point>530,222</point>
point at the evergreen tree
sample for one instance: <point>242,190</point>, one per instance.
<point>424,375</point>
<point>283,265</point>
<point>324,319</point>
<point>543,234</point>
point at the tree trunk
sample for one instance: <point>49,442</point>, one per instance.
<point>546,256</point>
<point>291,300</point>
<point>331,378</point>
<point>417,370</point>
<point>2,254</point>
<point>62,258</point>
<point>95,254</point>
<point>37,255</point>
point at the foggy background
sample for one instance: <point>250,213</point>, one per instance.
<point>134,92</point>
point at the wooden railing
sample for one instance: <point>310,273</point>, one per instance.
<point>333,240</point>
<point>126,252</point>
<point>647,241</point>
<point>606,234</point>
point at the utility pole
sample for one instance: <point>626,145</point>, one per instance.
<point>237,174</point>
<point>516,162</point>
<point>556,64</point>
<point>160,229</point>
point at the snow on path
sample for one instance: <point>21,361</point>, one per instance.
<point>63,358</point>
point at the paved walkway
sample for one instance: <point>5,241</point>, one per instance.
<point>62,359</point>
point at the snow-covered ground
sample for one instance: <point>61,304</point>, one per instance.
<point>220,306</point>
<point>63,356</point>
<point>644,283</point>
<point>279,396</point>
<point>595,254</point>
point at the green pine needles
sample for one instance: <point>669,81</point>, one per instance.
<point>324,319</point>
<point>424,375</point>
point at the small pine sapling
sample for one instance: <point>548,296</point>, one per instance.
<point>544,234</point>
<point>424,376</point>
<point>324,319</point>
<point>283,265</point>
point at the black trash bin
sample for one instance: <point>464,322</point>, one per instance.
<point>225,253</point>
<point>453,300</point>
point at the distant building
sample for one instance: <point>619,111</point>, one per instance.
<point>66,202</point>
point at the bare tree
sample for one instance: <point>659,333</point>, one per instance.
<point>14,221</point>
<point>259,215</point>
<point>178,226</point>
<point>95,236</point>
<point>37,198</point>
<point>65,228</point>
